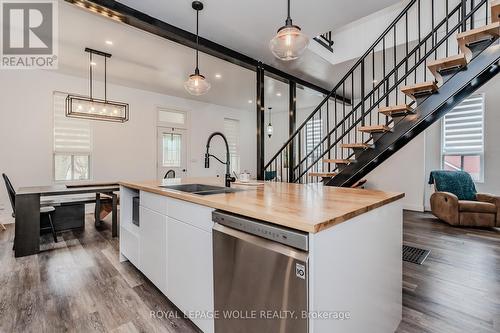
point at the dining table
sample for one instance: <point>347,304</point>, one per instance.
<point>28,203</point>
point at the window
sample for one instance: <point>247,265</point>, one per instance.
<point>232,133</point>
<point>172,150</point>
<point>463,138</point>
<point>314,134</point>
<point>172,118</point>
<point>72,144</point>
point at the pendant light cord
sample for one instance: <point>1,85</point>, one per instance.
<point>288,21</point>
<point>91,75</point>
<point>197,41</point>
<point>91,78</point>
<point>105,80</point>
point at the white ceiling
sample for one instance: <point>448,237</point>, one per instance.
<point>248,26</point>
<point>145,61</point>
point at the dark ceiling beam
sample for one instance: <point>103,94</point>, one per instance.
<point>140,20</point>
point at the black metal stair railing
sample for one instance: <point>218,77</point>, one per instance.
<point>325,40</point>
<point>421,62</point>
<point>374,81</point>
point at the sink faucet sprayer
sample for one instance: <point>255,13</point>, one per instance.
<point>228,178</point>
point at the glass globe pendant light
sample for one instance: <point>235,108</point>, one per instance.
<point>289,43</point>
<point>197,84</point>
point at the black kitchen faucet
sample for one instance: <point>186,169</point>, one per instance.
<point>228,178</point>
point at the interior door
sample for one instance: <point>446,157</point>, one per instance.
<point>172,152</point>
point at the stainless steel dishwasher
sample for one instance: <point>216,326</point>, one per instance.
<point>260,276</point>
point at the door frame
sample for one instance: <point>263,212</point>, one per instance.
<point>186,127</point>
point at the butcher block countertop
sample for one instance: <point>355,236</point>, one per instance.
<point>305,207</point>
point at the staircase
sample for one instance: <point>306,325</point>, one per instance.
<point>414,73</point>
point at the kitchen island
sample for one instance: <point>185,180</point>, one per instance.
<point>351,265</point>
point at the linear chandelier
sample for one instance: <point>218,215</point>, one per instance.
<point>78,106</point>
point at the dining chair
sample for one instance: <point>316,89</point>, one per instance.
<point>44,211</point>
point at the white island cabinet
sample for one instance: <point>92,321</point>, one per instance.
<point>353,270</point>
<point>172,247</point>
<point>153,247</point>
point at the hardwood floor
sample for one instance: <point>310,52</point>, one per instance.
<point>78,285</point>
<point>457,289</point>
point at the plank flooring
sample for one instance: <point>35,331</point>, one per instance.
<point>78,285</point>
<point>457,289</point>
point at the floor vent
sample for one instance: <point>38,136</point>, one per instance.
<point>414,254</point>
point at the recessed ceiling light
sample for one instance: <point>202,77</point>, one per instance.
<point>93,64</point>
<point>278,94</point>
<point>109,42</point>
<point>218,76</point>
<point>249,101</point>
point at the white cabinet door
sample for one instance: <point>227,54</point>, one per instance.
<point>189,277</point>
<point>153,254</point>
<point>129,245</point>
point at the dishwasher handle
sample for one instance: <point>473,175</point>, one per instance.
<point>262,242</point>
<point>286,236</point>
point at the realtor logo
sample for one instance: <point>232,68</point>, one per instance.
<point>29,34</point>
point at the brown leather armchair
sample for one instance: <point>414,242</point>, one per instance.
<point>485,212</point>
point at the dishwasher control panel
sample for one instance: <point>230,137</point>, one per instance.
<point>286,236</point>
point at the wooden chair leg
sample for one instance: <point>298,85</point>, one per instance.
<point>53,229</point>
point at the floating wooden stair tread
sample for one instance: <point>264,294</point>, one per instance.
<point>395,109</point>
<point>478,34</point>
<point>495,11</point>
<point>419,88</point>
<point>469,37</point>
<point>323,174</point>
<point>355,145</point>
<point>338,161</point>
<point>374,129</point>
<point>456,61</point>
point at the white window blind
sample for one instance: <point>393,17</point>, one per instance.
<point>232,133</point>
<point>463,128</point>
<point>314,134</point>
<point>463,138</point>
<point>72,144</point>
<point>172,118</point>
<point>71,135</point>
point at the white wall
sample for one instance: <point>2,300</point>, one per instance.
<point>403,172</point>
<point>432,158</point>
<point>120,151</point>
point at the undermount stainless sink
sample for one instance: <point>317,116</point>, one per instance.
<point>225,190</point>
<point>201,189</point>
